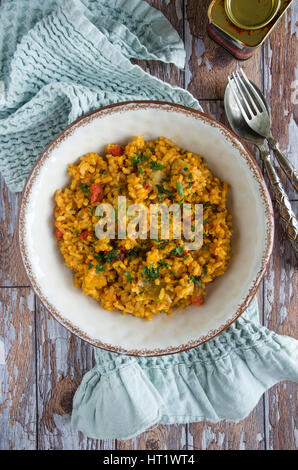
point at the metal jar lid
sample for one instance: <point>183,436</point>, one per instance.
<point>251,14</point>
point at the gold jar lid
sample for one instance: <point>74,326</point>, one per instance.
<point>251,14</point>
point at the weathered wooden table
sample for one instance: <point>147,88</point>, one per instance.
<point>41,363</point>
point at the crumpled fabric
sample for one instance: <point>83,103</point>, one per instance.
<point>58,60</point>
<point>222,379</point>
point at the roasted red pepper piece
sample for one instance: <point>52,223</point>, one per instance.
<point>84,234</point>
<point>97,193</point>
<point>116,151</point>
<point>198,300</point>
<point>58,233</point>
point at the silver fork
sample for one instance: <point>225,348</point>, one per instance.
<point>255,112</point>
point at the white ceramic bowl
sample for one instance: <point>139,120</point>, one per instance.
<point>227,297</point>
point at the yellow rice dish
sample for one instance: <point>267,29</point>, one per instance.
<point>142,277</point>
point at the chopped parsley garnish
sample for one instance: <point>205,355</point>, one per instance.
<point>205,269</point>
<point>139,158</point>
<point>163,245</point>
<point>99,258</point>
<point>177,251</point>
<point>99,269</point>
<point>76,232</point>
<point>110,256</point>
<point>156,166</point>
<point>106,257</point>
<point>163,264</point>
<point>92,209</point>
<point>90,266</point>
<point>196,280</point>
<point>133,253</point>
<point>150,274</point>
<point>162,190</point>
<point>128,275</point>
<point>190,176</point>
<point>179,188</point>
<point>85,188</point>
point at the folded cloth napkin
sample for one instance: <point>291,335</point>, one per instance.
<point>221,379</point>
<point>60,59</point>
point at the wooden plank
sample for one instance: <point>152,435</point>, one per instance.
<point>62,361</point>
<point>162,437</point>
<point>281,86</point>
<point>17,370</point>
<point>12,272</point>
<point>208,64</point>
<point>280,315</point>
<point>280,58</point>
<point>246,435</point>
<point>249,433</point>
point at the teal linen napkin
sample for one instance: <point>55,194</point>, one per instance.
<point>58,60</point>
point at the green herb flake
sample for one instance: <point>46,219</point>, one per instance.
<point>163,264</point>
<point>99,258</point>
<point>177,251</point>
<point>133,253</point>
<point>138,159</point>
<point>128,275</point>
<point>156,166</point>
<point>76,232</point>
<point>196,280</point>
<point>163,245</point>
<point>85,188</point>
<point>150,274</point>
<point>110,256</point>
<point>99,269</point>
<point>179,188</point>
<point>162,190</point>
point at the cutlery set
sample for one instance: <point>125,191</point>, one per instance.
<point>249,116</point>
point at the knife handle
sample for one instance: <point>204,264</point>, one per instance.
<point>284,162</point>
<point>284,205</point>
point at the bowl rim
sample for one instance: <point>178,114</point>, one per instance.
<point>253,286</point>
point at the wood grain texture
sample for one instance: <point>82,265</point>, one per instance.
<point>280,315</point>
<point>281,86</point>
<point>17,370</point>
<point>250,432</point>
<point>163,437</point>
<point>62,361</point>
<point>208,64</point>
<point>12,272</point>
<point>41,363</point>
